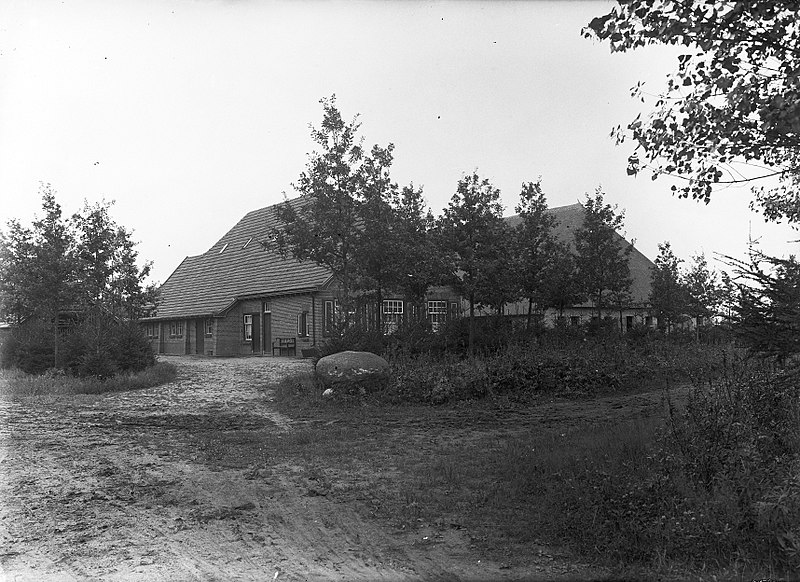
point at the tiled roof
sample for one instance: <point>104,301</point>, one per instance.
<point>238,266</point>
<point>207,284</point>
<point>570,219</point>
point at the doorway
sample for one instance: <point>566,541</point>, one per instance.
<point>267,333</point>
<point>256,334</point>
<point>200,337</point>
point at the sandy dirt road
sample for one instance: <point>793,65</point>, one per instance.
<point>117,487</point>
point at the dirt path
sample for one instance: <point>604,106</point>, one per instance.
<point>118,487</point>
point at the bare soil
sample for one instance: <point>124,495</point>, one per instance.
<point>130,486</point>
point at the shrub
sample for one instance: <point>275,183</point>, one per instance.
<point>721,483</point>
<point>131,351</point>
<point>97,345</point>
<point>29,348</point>
<point>431,380</point>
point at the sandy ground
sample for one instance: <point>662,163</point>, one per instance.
<point>115,487</point>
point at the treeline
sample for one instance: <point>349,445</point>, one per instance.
<point>73,289</point>
<point>377,237</point>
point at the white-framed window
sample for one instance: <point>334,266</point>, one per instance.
<point>152,330</point>
<point>303,324</point>
<point>176,329</point>
<point>329,316</point>
<point>248,328</point>
<point>392,312</point>
<point>266,307</point>
<point>209,325</point>
<point>437,313</point>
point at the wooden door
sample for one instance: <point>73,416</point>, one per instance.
<point>256,334</point>
<point>200,337</point>
<point>267,335</point>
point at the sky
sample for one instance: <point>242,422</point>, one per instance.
<point>191,113</point>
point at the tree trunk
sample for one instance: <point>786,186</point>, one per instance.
<point>530,309</point>
<point>55,335</point>
<point>471,323</point>
<point>55,341</point>
<point>379,315</point>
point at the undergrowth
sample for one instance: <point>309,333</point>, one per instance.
<point>712,486</point>
<point>520,373</point>
<point>16,382</point>
<point>719,486</point>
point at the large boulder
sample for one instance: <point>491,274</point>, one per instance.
<point>353,372</point>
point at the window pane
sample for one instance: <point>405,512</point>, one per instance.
<point>328,316</point>
<point>248,328</point>
<point>437,313</point>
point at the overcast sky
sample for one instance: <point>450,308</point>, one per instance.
<point>191,113</point>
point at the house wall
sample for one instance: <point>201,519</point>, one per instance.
<point>227,337</point>
<point>174,345</point>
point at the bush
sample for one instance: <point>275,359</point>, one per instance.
<point>721,483</point>
<point>98,345</point>
<point>490,334</point>
<point>29,348</point>
<point>131,351</point>
<point>434,380</point>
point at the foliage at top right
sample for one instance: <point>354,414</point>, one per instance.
<point>731,112</point>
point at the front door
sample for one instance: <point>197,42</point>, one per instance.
<point>200,336</point>
<point>256,334</point>
<point>267,335</point>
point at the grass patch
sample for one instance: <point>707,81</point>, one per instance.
<point>711,488</point>
<point>18,383</point>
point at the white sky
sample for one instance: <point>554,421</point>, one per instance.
<point>192,113</point>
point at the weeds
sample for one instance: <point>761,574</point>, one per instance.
<point>714,485</point>
<point>720,483</point>
<point>522,372</point>
<point>16,382</point>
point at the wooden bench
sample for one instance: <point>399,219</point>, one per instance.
<point>284,346</point>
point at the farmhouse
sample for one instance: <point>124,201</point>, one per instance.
<point>637,311</point>
<point>242,297</point>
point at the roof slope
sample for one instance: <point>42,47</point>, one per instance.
<point>236,266</point>
<point>570,219</point>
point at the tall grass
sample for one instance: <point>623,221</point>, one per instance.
<point>16,382</point>
<point>576,369</point>
<point>718,487</point>
<point>712,486</point>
